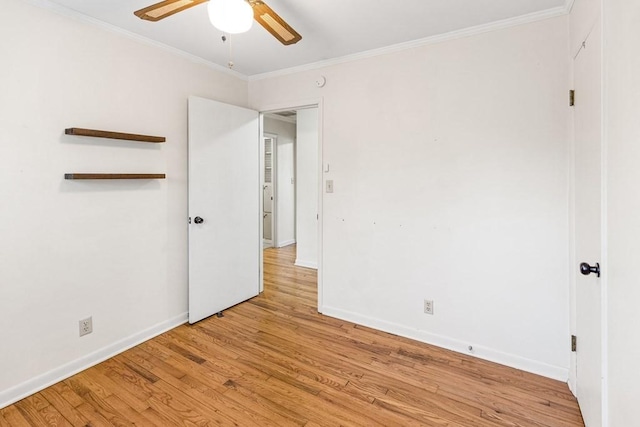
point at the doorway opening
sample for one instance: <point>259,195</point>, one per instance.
<point>291,196</point>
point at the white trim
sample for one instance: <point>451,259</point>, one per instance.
<point>286,243</point>
<point>288,106</point>
<point>485,353</point>
<point>571,166</point>
<point>306,264</point>
<point>29,387</point>
<point>439,38</point>
<point>604,221</point>
<point>69,13</point>
<point>274,116</point>
<point>568,5</point>
<point>572,244</point>
<point>320,274</point>
<point>261,202</point>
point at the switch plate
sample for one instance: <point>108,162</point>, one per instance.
<point>329,186</point>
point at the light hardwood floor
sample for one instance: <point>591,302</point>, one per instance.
<point>274,361</point>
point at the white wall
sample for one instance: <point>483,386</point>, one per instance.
<point>285,174</point>
<point>451,183</point>
<point>116,251</point>
<point>307,188</point>
<point>622,135</point>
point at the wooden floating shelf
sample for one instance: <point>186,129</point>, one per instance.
<point>114,176</point>
<point>114,135</point>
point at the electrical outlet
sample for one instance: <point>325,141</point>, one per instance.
<point>428,306</point>
<point>86,326</point>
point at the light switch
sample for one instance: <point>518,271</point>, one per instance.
<point>329,186</point>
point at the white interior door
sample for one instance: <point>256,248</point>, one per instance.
<point>588,223</point>
<point>224,206</point>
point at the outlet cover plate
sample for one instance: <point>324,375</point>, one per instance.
<point>428,306</point>
<point>86,326</point>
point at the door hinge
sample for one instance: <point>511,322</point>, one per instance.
<point>574,343</point>
<point>572,98</point>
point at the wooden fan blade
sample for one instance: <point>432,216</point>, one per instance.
<point>272,22</point>
<point>166,8</point>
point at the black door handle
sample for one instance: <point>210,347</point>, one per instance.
<point>587,269</point>
<point>198,220</point>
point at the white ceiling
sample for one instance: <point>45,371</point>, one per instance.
<point>329,28</point>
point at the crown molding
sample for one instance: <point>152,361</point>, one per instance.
<point>568,5</point>
<point>69,13</point>
<point>453,35</point>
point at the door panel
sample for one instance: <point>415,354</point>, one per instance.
<point>267,226</point>
<point>268,198</point>
<point>588,223</point>
<point>224,190</point>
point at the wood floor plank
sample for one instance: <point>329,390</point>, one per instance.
<point>66,393</point>
<point>30,412</point>
<point>97,420</point>
<point>130,414</point>
<point>216,409</point>
<point>154,417</point>
<point>250,396</point>
<point>214,398</point>
<point>64,407</point>
<point>54,418</point>
<point>275,361</point>
<point>3,421</point>
<point>13,416</point>
<point>282,361</point>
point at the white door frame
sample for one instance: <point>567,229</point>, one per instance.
<point>300,105</point>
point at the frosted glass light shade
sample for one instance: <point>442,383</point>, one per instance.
<point>231,16</point>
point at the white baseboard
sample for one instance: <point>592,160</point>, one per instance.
<point>307,264</point>
<point>514,361</point>
<point>34,385</point>
<point>286,243</point>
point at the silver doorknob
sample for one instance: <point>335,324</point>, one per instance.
<point>198,220</point>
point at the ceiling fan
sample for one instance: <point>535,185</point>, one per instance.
<point>262,13</point>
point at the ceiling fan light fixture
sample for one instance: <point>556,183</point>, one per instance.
<point>230,16</point>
